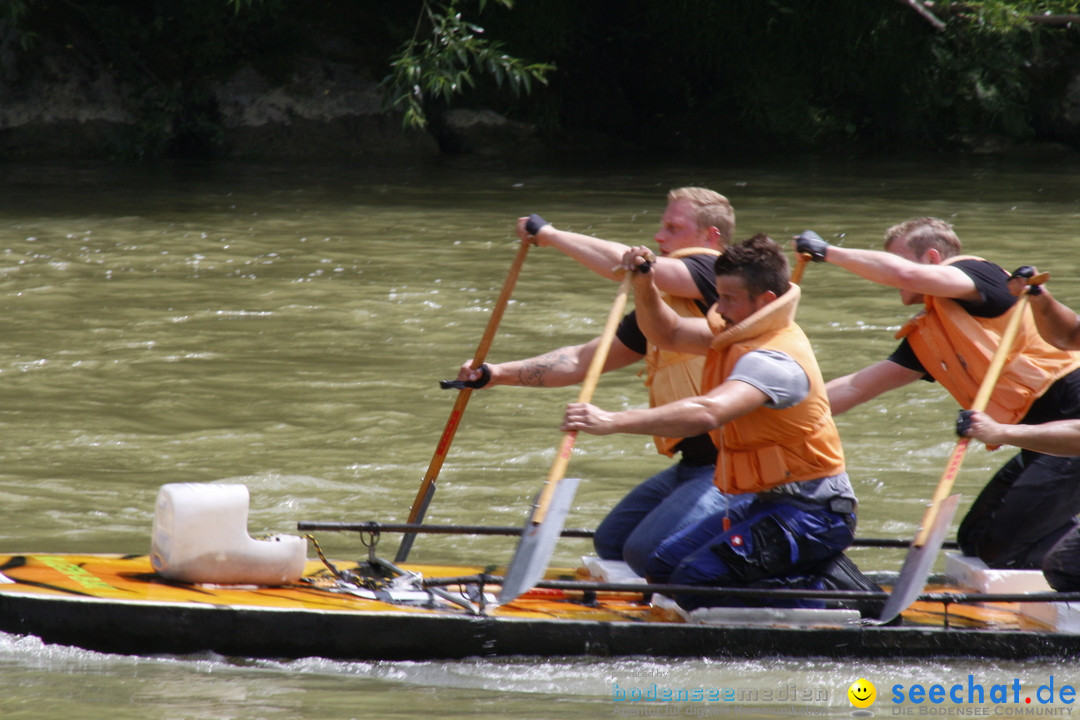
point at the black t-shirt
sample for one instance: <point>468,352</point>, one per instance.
<point>697,450</point>
<point>1061,400</point>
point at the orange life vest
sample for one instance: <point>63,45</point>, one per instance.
<point>956,348</point>
<point>669,375</point>
<point>769,447</point>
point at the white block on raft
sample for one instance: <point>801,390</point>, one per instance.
<point>971,573</point>
<point>611,571</point>
<point>200,536</point>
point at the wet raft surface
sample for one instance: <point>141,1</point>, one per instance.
<point>117,604</point>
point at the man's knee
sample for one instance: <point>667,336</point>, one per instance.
<point>606,544</point>
<point>1001,550</point>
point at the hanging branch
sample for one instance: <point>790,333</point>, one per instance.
<point>443,63</point>
<point>923,8</point>
<point>923,11</point>
<point>1055,20</point>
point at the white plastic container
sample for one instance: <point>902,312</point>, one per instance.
<point>200,536</point>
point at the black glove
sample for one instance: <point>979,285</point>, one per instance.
<point>963,422</point>
<point>812,244</point>
<point>534,223</point>
<point>1026,272</point>
<point>485,377</point>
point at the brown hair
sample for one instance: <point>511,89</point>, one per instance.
<point>711,209</point>
<point>760,262</point>
<point>925,233</point>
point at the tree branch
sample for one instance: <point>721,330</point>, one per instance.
<point>1055,20</point>
<point>922,10</point>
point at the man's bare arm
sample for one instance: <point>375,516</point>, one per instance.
<point>604,256</point>
<point>682,418</point>
<point>856,388</point>
<point>1058,325</point>
<point>557,368</point>
<point>893,271</point>
<point>1059,437</point>
<point>659,323</point>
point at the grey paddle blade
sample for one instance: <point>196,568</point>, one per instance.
<point>537,543</point>
<point>918,563</point>
<point>408,538</point>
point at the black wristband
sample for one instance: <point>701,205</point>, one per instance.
<point>484,379</point>
<point>963,422</point>
<point>534,223</point>
<point>1026,272</point>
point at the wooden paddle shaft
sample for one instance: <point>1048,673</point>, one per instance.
<point>427,486</point>
<point>982,398</point>
<point>800,268</point>
<point>588,386</point>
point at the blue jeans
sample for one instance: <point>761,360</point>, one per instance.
<point>768,541</point>
<point>667,502</point>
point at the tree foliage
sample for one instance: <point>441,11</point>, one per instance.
<point>442,63</point>
<point>688,74</point>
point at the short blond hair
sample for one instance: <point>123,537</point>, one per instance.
<point>925,233</point>
<point>711,209</point>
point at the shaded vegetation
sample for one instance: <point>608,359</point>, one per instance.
<point>679,74</point>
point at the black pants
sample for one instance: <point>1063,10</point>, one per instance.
<point>1025,508</point>
<point>1061,566</point>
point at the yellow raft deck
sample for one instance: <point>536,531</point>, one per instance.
<point>117,603</point>
<point>131,579</point>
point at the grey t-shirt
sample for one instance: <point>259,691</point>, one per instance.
<point>785,383</point>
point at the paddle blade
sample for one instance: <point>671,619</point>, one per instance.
<point>919,561</point>
<point>537,543</point>
<point>416,516</point>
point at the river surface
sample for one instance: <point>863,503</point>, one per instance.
<point>285,327</point>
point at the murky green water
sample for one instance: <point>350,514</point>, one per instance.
<point>285,327</point>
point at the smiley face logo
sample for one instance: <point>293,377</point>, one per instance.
<point>862,693</point>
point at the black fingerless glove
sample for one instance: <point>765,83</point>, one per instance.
<point>963,422</point>
<point>484,379</point>
<point>811,244</point>
<point>534,223</point>
<point>1026,272</point>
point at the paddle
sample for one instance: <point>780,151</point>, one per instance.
<point>427,487</point>
<point>927,542</point>
<point>545,523</point>
<point>800,268</point>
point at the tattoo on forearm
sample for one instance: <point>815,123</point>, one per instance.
<point>534,373</point>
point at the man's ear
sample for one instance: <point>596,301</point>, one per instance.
<point>712,235</point>
<point>932,257</point>
<point>764,299</point>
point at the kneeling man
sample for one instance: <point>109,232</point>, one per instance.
<point>765,407</point>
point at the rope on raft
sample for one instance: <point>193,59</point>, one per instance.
<point>672,589</point>
<point>377,527</point>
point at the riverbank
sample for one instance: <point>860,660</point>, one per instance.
<point>297,86</point>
